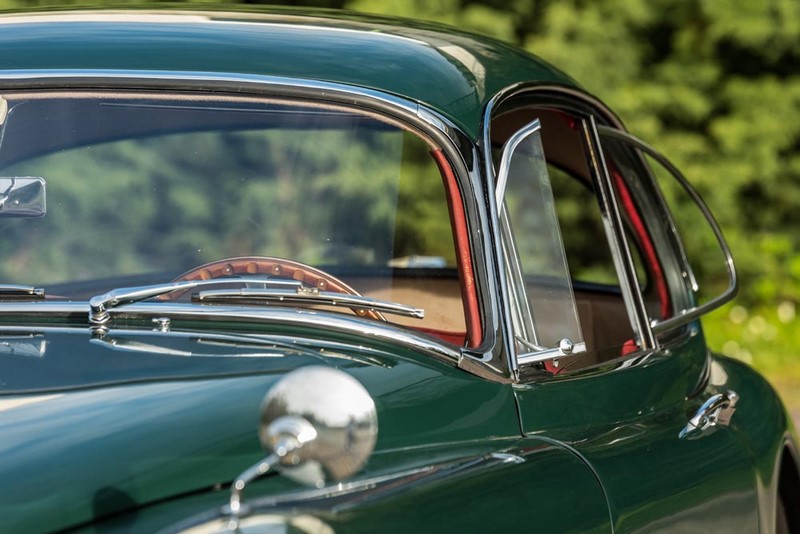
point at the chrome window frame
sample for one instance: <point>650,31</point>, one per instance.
<point>487,360</point>
<point>683,316</point>
<point>632,294</point>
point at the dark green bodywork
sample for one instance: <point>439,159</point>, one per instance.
<point>454,74</point>
<point>92,438</point>
<point>110,449</point>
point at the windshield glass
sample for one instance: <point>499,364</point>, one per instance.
<point>141,189</point>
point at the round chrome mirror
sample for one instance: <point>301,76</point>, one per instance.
<point>320,423</point>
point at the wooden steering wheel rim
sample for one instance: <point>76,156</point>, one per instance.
<point>274,267</point>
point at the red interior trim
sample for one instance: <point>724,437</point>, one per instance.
<point>648,249</point>
<point>466,275</point>
<point>456,338</point>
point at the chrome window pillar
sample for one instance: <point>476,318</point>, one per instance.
<point>506,326</point>
<point>615,230</point>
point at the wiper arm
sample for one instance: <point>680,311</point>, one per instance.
<point>302,295</point>
<point>101,304</point>
<point>16,292</point>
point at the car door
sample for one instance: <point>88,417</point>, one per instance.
<point>608,362</point>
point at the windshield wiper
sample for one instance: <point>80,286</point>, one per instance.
<point>99,305</point>
<point>303,295</point>
<point>288,291</point>
<point>13,291</point>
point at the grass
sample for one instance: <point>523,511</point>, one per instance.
<point>767,338</point>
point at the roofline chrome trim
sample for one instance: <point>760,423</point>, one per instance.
<point>232,82</point>
<point>325,321</point>
<point>456,144</point>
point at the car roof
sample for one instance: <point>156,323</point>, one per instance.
<point>449,71</point>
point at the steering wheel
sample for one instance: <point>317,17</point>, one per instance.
<point>273,267</point>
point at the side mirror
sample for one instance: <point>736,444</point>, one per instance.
<point>321,423</point>
<point>318,424</point>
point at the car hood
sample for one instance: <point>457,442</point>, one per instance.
<point>94,425</point>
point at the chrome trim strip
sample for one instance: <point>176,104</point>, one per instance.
<point>346,495</point>
<point>507,351</point>
<point>324,321</point>
<point>95,77</point>
<point>306,345</point>
<point>615,229</point>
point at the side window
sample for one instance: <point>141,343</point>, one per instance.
<point>635,192</point>
<point>685,250</point>
<point>592,278</point>
<point>607,244</point>
<point>545,317</point>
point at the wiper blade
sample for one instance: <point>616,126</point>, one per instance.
<point>302,295</point>
<point>15,291</point>
<point>272,290</point>
<point>101,304</point>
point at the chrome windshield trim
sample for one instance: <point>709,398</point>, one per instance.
<point>506,353</point>
<point>323,321</point>
<point>462,151</point>
<point>235,82</point>
<point>93,76</point>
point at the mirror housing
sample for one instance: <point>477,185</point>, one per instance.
<point>320,423</point>
<point>22,197</point>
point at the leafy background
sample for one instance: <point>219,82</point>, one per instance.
<point>716,86</point>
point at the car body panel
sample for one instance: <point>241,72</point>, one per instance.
<point>711,482</point>
<point>453,74</point>
<point>533,473</point>
<point>167,434</point>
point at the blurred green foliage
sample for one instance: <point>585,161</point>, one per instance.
<point>321,189</point>
<point>714,84</point>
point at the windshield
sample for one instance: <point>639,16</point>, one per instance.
<point>145,189</point>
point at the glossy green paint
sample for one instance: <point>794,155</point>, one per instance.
<point>452,73</point>
<point>626,423</point>
<point>124,444</point>
<point>540,491</point>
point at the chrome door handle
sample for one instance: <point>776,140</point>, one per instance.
<point>715,412</point>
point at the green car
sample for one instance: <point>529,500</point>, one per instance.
<point>301,271</point>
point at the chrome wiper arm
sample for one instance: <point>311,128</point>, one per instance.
<point>302,295</point>
<point>101,304</point>
<point>18,291</point>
